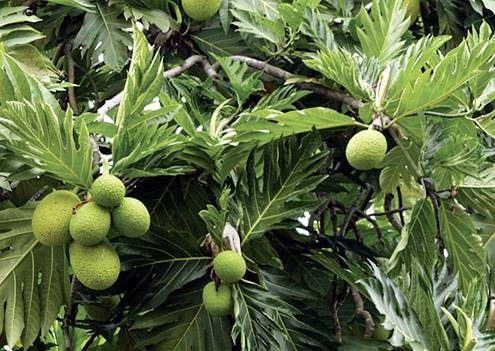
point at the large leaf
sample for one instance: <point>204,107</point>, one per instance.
<point>19,85</point>
<point>380,34</point>
<point>41,140</point>
<point>358,75</point>
<point>463,245</point>
<point>418,240</point>
<point>33,279</point>
<point>471,59</point>
<point>257,315</point>
<point>479,194</point>
<point>391,302</point>
<point>267,125</point>
<point>84,5</point>
<point>103,33</point>
<point>14,30</point>
<point>142,135</point>
<point>242,83</point>
<point>182,324</point>
<point>289,168</point>
<point>304,330</point>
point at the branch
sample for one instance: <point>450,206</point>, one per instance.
<point>173,72</point>
<point>362,313</point>
<point>387,204</point>
<point>285,75</point>
<point>72,77</point>
<point>211,71</point>
<point>188,63</point>
<point>70,315</point>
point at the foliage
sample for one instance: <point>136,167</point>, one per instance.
<point>233,133</point>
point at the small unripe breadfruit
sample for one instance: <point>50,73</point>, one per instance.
<point>229,266</point>
<point>219,302</point>
<point>90,225</point>
<point>131,218</point>
<point>102,311</point>
<point>380,333</point>
<point>108,191</point>
<point>96,267</point>
<point>366,150</point>
<point>412,9</point>
<point>52,216</point>
<point>201,10</point>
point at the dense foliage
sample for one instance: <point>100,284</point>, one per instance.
<point>233,132</point>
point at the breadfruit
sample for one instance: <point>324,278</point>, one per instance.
<point>131,218</point>
<point>102,311</point>
<point>366,150</point>
<point>229,266</point>
<point>219,302</point>
<point>380,333</point>
<point>108,191</point>
<point>51,218</point>
<point>412,9</point>
<point>96,267</point>
<point>90,225</point>
<point>201,10</point>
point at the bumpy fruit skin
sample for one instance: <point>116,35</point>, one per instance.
<point>90,225</point>
<point>102,311</point>
<point>412,9</point>
<point>229,266</point>
<point>96,267</point>
<point>108,191</point>
<point>219,302</point>
<point>366,150</point>
<point>51,218</point>
<point>131,218</point>
<point>201,10</point>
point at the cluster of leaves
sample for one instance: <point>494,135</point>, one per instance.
<point>237,127</point>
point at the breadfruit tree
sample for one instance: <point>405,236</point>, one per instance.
<point>247,175</point>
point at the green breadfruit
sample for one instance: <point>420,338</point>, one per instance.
<point>201,10</point>
<point>108,191</point>
<point>51,218</point>
<point>90,225</point>
<point>229,266</point>
<point>366,150</point>
<point>102,311</point>
<point>380,333</point>
<point>96,267</point>
<point>412,9</point>
<point>217,302</point>
<point>131,218</point>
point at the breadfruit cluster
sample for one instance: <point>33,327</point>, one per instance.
<point>61,216</point>
<point>230,267</point>
<point>366,150</point>
<point>201,10</point>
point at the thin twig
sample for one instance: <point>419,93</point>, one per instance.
<point>90,341</point>
<point>354,208</point>
<point>387,204</point>
<point>362,313</point>
<point>96,152</point>
<point>401,205</point>
<point>72,77</point>
<point>70,315</point>
<point>58,54</point>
